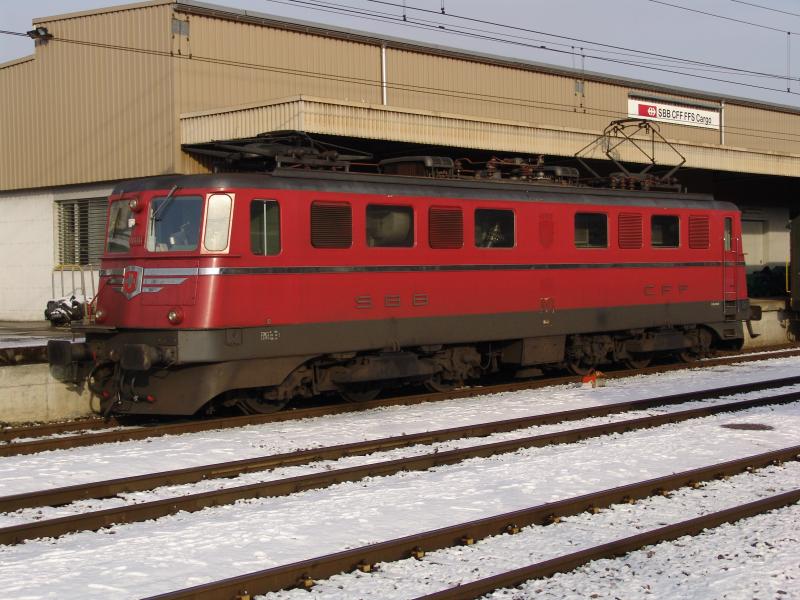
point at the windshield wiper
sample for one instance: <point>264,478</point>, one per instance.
<point>165,203</point>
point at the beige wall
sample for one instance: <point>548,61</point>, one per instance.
<point>80,113</point>
<point>296,63</point>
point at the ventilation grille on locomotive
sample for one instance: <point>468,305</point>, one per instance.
<point>630,231</point>
<point>698,232</point>
<point>331,225</point>
<point>446,226</point>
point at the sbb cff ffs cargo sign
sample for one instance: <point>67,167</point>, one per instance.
<point>679,114</point>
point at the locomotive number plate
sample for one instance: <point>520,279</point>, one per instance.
<point>270,335</point>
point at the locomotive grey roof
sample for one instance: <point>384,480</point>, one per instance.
<point>398,185</point>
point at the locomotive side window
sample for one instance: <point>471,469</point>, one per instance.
<point>174,223</point>
<point>629,231</point>
<point>494,228</point>
<point>445,227</point>
<point>390,226</point>
<point>331,225</point>
<point>664,231</point>
<point>265,228</point>
<point>119,226</point>
<point>591,230</point>
<point>698,232</point>
<point>218,222</point>
<point>728,235</point>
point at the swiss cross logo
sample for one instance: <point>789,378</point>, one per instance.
<point>647,110</point>
<point>132,281</point>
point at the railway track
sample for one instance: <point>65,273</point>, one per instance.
<point>110,488</point>
<point>98,436</point>
<point>305,573</point>
<point>194,502</point>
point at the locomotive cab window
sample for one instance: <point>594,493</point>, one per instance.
<point>174,223</point>
<point>494,228</point>
<point>591,230</point>
<point>120,225</point>
<point>265,228</point>
<point>390,226</point>
<point>664,231</point>
<point>218,222</point>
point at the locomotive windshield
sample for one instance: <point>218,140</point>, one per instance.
<point>174,223</point>
<point>120,224</point>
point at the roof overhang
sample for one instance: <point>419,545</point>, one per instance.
<point>375,122</point>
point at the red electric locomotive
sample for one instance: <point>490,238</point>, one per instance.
<point>253,289</point>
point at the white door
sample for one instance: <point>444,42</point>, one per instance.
<point>754,242</point>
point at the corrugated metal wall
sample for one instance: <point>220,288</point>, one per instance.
<point>776,131</point>
<point>80,113</point>
<point>266,64</point>
<point>466,87</point>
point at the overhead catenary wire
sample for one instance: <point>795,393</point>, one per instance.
<point>606,59</point>
<point>430,90</point>
<point>769,8</point>
<point>575,40</point>
<point>537,44</point>
<point>724,17</point>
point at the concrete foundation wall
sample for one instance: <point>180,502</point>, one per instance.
<point>771,329</point>
<point>29,394</point>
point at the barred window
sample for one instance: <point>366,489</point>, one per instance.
<point>81,230</point>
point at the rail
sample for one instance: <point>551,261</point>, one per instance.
<point>281,487</point>
<point>139,433</point>
<point>305,573</point>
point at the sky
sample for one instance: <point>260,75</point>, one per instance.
<point>682,48</point>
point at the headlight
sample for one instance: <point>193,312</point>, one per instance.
<point>175,316</point>
<point>135,205</point>
<point>100,315</point>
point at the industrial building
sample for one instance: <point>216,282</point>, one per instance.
<point>125,92</point>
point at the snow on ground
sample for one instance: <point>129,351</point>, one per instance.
<point>187,549</point>
<point>35,514</point>
<point>756,558</point>
<point>59,468</point>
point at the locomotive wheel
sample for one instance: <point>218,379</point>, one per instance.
<point>702,350</point>
<point>578,367</point>
<point>251,402</point>
<point>637,361</point>
<point>437,384</point>
<point>360,393</point>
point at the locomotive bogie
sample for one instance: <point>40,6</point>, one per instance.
<point>254,290</point>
